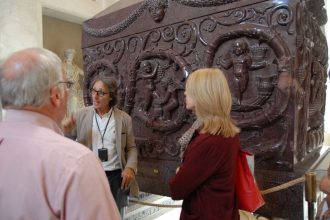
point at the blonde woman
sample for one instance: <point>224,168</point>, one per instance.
<point>206,178</point>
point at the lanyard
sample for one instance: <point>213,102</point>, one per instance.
<point>105,129</point>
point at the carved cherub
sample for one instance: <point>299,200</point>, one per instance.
<point>241,61</point>
<point>169,100</point>
<point>147,73</point>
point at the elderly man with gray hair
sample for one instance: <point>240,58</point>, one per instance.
<point>43,174</point>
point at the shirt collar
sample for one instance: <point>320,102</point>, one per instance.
<point>24,116</point>
<point>106,114</point>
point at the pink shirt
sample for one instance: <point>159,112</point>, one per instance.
<point>44,175</point>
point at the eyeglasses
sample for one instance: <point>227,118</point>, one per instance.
<point>99,93</point>
<point>68,83</point>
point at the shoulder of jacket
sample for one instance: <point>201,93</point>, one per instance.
<point>85,110</point>
<point>122,113</point>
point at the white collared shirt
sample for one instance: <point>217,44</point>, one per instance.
<point>109,140</point>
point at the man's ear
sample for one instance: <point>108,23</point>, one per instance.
<point>55,96</point>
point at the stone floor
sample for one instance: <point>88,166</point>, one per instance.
<point>137,211</point>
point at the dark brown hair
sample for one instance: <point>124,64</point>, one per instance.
<point>111,83</point>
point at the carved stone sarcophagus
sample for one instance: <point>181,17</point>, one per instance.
<point>273,54</point>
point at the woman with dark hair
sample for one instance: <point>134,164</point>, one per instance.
<point>107,131</point>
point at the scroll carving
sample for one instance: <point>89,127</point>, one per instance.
<point>116,50</point>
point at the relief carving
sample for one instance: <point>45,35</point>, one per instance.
<point>241,62</point>
<point>114,51</point>
<point>316,7</point>
<point>273,55</point>
<point>121,92</point>
<point>133,44</point>
<point>180,37</point>
<point>312,56</point>
<point>276,15</point>
<point>157,9</point>
<point>162,81</point>
<point>152,148</point>
<point>155,100</point>
<point>316,106</point>
<point>203,3</point>
<point>279,84</point>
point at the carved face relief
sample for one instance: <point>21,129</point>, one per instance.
<point>146,67</point>
<point>157,13</point>
<point>239,47</point>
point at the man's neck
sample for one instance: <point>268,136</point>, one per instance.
<point>102,112</point>
<point>46,110</point>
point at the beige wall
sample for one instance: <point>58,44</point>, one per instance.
<point>75,11</point>
<point>59,35</point>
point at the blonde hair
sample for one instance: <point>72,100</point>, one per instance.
<point>210,92</point>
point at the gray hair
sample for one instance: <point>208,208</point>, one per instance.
<point>27,76</point>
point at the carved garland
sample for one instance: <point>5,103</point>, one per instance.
<point>114,29</point>
<point>203,3</point>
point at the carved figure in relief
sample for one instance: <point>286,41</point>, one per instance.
<point>317,82</point>
<point>148,73</point>
<point>169,101</point>
<point>75,74</point>
<point>241,61</point>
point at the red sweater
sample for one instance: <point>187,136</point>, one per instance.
<point>206,179</point>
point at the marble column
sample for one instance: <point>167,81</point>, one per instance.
<point>20,25</point>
